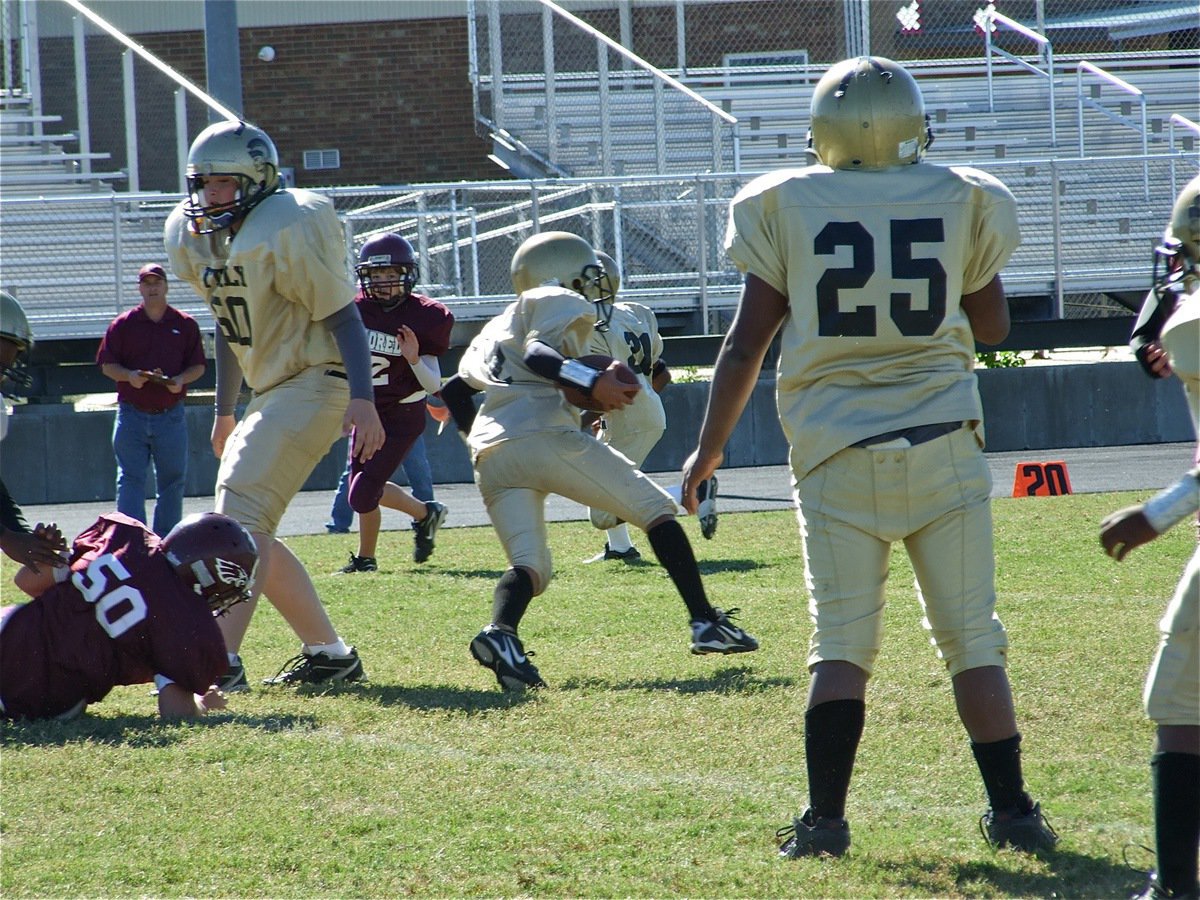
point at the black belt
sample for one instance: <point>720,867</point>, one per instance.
<point>336,374</point>
<point>918,434</point>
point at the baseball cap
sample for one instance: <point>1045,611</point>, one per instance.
<point>151,269</point>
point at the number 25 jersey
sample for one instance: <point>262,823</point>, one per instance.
<point>874,265</point>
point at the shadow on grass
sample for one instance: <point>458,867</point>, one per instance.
<point>729,680</point>
<point>717,566</point>
<point>1069,875</point>
<point>443,697</point>
<point>486,574</point>
<point>135,731</point>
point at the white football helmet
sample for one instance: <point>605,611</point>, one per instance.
<point>236,149</point>
<point>1177,259</point>
<point>558,257</point>
<point>868,113</point>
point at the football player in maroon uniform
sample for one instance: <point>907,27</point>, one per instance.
<point>129,609</point>
<point>406,332</point>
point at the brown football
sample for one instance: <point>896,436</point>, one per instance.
<point>600,362</point>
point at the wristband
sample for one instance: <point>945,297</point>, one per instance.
<point>1176,503</point>
<point>578,375</point>
<point>161,681</point>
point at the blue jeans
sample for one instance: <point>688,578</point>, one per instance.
<point>420,480</point>
<point>138,439</point>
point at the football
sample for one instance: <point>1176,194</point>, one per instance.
<point>600,362</point>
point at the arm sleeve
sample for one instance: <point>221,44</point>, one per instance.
<point>11,517</point>
<point>228,377</point>
<point>348,331</point>
<point>459,399</point>
<point>544,360</point>
<point>1149,325</point>
<point>429,373</point>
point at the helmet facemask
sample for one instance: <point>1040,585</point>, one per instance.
<point>599,287</point>
<point>379,281</point>
<point>14,377</point>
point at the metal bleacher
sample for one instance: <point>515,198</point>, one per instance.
<point>35,163</point>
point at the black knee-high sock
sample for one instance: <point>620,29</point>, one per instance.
<point>671,547</point>
<point>1000,765</point>
<point>1176,779</point>
<point>832,731</point>
<point>511,598</point>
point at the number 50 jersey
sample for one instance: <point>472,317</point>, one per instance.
<point>874,265</point>
<point>121,617</point>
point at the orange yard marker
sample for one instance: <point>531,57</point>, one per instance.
<point>1041,479</point>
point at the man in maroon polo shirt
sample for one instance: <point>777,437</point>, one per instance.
<point>153,352</point>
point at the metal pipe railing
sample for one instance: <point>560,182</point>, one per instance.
<point>992,20</point>
<point>1080,101</point>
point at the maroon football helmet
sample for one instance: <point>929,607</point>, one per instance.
<point>381,251</point>
<point>215,556</point>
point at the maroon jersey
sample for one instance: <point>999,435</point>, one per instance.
<point>134,341</point>
<point>391,374</point>
<point>121,617</point>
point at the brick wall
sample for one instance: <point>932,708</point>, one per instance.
<point>393,97</point>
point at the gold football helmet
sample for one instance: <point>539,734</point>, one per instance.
<point>868,113</point>
<point>17,338</point>
<point>1177,259</point>
<point>236,149</point>
<point>558,257</point>
<point>611,269</point>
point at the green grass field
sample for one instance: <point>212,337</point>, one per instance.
<point>644,771</point>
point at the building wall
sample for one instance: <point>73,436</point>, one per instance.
<point>1036,408</point>
<point>393,97</point>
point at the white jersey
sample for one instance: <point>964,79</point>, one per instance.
<point>518,402</point>
<point>1181,339</point>
<point>271,285</point>
<point>874,265</point>
<point>632,337</point>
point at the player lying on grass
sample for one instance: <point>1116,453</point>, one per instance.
<point>129,609</point>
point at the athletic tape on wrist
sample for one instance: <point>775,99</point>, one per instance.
<point>578,374</point>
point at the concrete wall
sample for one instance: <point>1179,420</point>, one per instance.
<point>56,455</point>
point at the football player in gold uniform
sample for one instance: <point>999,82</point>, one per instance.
<point>881,271</point>
<point>272,265</point>
<point>526,443</point>
<point>1172,694</point>
<point>632,336</point>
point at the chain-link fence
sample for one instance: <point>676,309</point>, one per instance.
<point>73,261</point>
<point>615,147</point>
<point>556,100</point>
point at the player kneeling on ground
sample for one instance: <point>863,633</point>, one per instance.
<point>129,609</point>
